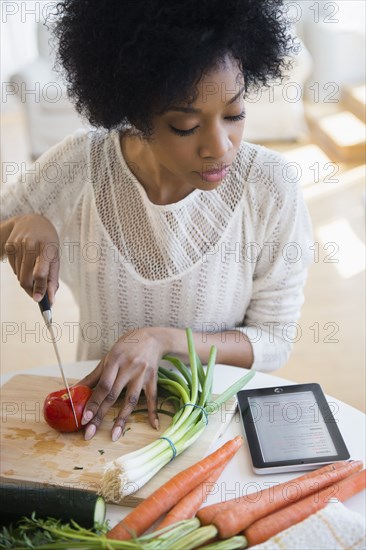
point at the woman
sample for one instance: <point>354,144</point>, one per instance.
<point>162,217</point>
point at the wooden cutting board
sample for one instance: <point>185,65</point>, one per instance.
<point>32,452</point>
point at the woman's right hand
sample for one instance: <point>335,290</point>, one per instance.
<point>32,246</point>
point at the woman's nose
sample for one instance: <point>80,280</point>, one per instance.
<point>214,145</point>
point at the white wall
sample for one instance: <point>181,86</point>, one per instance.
<point>334,34</point>
<point>18,35</point>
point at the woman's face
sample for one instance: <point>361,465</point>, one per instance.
<point>196,144</point>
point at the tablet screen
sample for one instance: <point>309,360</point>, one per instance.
<point>290,428</point>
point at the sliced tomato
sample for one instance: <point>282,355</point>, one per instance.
<point>57,410</point>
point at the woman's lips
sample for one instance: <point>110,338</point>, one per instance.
<point>215,175</point>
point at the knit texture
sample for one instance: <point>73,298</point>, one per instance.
<point>335,527</point>
<point>234,258</point>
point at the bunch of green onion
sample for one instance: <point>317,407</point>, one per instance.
<point>51,534</point>
<point>193,388</point>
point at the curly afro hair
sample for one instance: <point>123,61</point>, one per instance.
<point>127,60</point>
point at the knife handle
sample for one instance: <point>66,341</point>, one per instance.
<point>44,304</point>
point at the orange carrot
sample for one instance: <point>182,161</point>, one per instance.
<point>273,494</point>
<point>164,498</point>
<point>244,513</point>
<point>188,506</point>
<point>267,527</point>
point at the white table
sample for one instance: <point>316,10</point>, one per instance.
<point>238,477</point>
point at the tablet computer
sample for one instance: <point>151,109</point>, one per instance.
<point>290,428</point>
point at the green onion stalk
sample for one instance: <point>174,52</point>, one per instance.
<point>193,387</point>
<point>52,534</point>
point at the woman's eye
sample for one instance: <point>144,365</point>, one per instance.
<point>191,131</point>
<point>182,132</point>
<point>236,117</point>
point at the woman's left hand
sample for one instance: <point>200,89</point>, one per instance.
<point>130,365</point>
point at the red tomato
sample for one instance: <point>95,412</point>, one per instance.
<point>57,410</point>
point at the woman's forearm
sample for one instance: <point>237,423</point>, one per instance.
<point>233,347</point>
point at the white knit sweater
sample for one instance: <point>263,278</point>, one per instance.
<point>234,258</point>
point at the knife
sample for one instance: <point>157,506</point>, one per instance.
<point>45,308</point>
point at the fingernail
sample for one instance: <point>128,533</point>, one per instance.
<point>90,431</point>
<point>37,297</point>
<point>88,415</point>
<point>116,433</point>
<point>157,424</point>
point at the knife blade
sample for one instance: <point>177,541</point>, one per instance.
<point>44,306</point>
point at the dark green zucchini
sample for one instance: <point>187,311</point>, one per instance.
<point>63,503</point>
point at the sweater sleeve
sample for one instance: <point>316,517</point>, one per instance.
<point>50,186</point>
<point>282,229</point>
